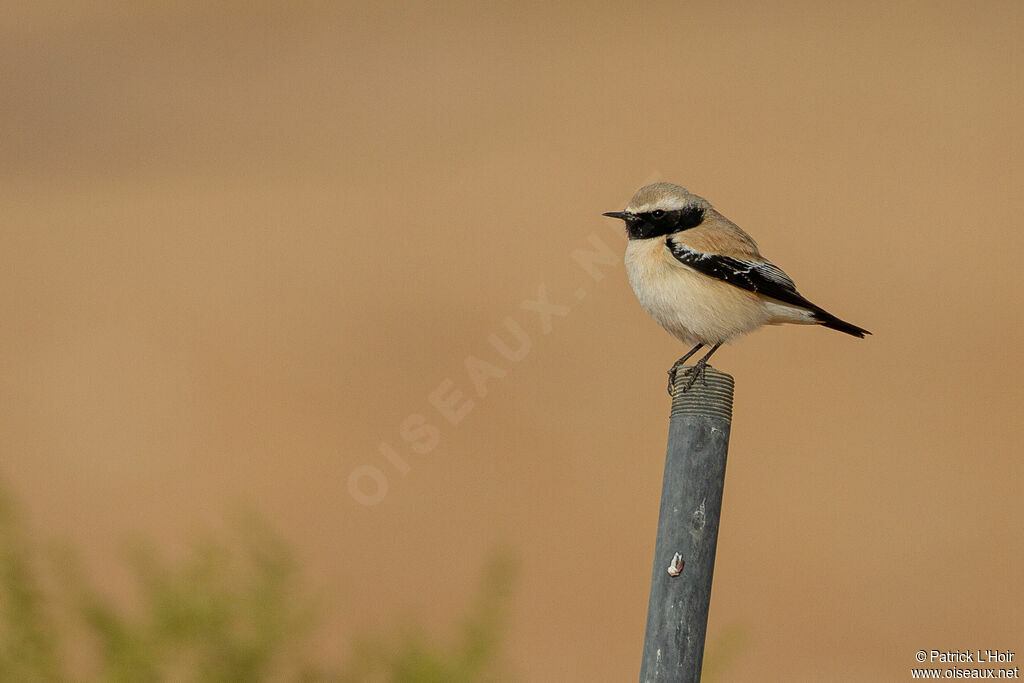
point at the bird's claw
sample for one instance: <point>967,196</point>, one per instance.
<point>672,376</point>
<point>698,371</point>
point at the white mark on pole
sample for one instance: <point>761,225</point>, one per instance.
<point>676,567</point>
<point>697,521</point>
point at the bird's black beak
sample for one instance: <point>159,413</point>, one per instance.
<point>621,215</point>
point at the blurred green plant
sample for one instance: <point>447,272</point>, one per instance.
<point>231,611</point>
<point>227,613</point>
<point>28,647</point>
<point>410,657</point>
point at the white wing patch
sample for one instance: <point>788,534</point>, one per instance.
<point>762,277</point>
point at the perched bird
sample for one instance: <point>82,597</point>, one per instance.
<point>702,278</point>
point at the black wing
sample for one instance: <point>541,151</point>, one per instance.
<point>761,277</point>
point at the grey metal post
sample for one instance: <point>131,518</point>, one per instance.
<point>684,553</point>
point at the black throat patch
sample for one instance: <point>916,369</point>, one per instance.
<point>646,225</point>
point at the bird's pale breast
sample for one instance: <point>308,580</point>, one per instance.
<point>691,306</point>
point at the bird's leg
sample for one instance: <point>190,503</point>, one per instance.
<point>697,371</point>
<point>675,366</point>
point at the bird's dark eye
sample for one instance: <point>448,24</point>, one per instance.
<point>657,213</point>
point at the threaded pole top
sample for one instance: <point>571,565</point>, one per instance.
<point>709,397</point>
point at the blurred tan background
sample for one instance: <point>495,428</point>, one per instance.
<point>243,244</point>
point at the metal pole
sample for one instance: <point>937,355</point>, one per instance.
<point>684,553</point>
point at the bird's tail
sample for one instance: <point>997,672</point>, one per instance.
<point>833,323</point>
